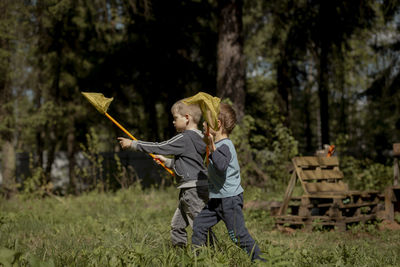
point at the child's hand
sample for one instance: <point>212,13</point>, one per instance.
<point>209,140</point>
<point>159,159</point>
<point>124,142</point>
<point>207,136</point>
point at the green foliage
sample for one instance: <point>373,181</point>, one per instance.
<point>264,144</point>
<point>368,227</point>
<point>364,174</point>
<point>35,185</point>
<point>397,217</point>
<point>125,176</point>
<point>51,50</point>
<point>284,41</point>
<point>92,175</point>
<point>8,257</point>
<point>32,184</point>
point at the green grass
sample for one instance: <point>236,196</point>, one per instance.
<point>131,228</point>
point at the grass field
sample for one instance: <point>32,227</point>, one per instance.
<point>131,228</point>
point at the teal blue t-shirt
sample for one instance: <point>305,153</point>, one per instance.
<point>224,171</point>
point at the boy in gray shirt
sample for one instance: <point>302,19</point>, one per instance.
<point>188,149</point>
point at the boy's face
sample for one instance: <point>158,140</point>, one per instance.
<point>180,122</point>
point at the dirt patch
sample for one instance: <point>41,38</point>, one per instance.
<point>286,230</point>
<point>388,225</point>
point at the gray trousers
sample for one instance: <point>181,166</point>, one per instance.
<point>191,202</point>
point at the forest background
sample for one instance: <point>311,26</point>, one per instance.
<point>300,74</point>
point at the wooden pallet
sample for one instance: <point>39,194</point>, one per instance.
<point>392,202</point>
<point>326,199</point>
<point>311,222</point>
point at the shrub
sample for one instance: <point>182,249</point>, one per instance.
<point>363,174</point>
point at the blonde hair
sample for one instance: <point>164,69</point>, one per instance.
<point>193,110</point>
<point>227,116</point>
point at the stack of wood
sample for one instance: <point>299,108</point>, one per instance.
<point>392,193</point>
<point>327,200</point>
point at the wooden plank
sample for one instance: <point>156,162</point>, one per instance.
<point>327,195</point>
<point>396,149</point>
<point>341,205</point>
<point>334,211</point>
<point>289,218</point>
<point>288,194</point>
<point>364,194</point>
<point>361,218</point>
<point>355,193</point>
<point>340,224</point>
<point>389,207</point>
<point>326,187</point>
<point>297,171</point>
<point>304,211</point>
<point>320,174</point>
<point>358,205</point>
<point>315,161</point>
<point>302,218</point>
<point>396,170</point>
<point>326,219</point>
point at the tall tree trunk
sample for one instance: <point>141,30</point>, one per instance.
<point>50,156</point>
<point>323,68</point>
<point>8,168</point>
<point>343,103</point>
<point>6,135</point>
<point>41,43</point>
<point>53,132</point>
<point>307,110</point>
<point>231,69</point>
<point>152,124</point>
<point>40,130</point>
<point>71,160</point>
<point>6,107</point>
<point>323,93</point>
<point>284,88</point>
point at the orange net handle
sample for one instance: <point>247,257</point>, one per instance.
<point>207,148</point>
<point>330,151</point>
<point>132,137</point>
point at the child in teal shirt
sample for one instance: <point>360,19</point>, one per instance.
<point>225,191</point>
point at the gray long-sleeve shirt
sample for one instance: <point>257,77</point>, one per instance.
<point>188,149</point>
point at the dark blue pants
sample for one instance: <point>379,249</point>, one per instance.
<point>229,210</point>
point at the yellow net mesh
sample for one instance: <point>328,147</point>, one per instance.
<point>209,106</point>
<point>98,100</point>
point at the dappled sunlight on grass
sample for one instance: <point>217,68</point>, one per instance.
<point>131,227</point>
